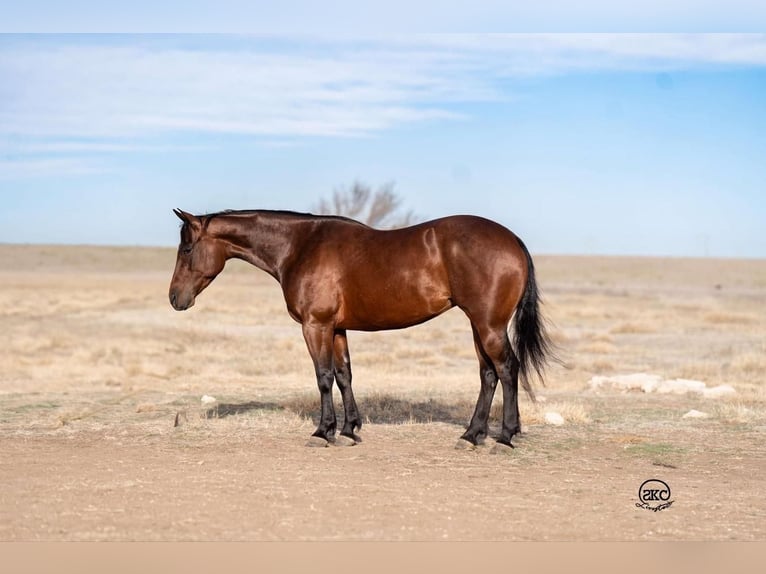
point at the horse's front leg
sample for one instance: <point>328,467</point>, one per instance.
<point>342,361</point>
<point>319,340</point>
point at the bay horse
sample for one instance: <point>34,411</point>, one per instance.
<point>338,275</point>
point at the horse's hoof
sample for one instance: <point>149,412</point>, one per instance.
<point>463,444</point>
<point>317,442</point>
<point>502,448</point>
<point>344,440</point>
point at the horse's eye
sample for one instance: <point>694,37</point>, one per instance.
<point>186,250</point>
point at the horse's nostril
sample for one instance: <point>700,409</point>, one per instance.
<point>173,298</point>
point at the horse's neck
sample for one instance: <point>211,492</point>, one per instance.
<point>260,239</point>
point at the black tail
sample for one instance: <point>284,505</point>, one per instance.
<point>531,342</point>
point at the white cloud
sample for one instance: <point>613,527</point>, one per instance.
<point>87,91</point>
<point>57,147</point>
<point>122,92</point>
<point>514,55</point>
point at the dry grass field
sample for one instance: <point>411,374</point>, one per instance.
<point>95,369</point>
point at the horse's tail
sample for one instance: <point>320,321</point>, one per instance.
<point>531,341</point>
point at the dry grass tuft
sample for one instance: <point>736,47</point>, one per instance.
<point>628,439</point>
<point>599,348</point>
<point>729,318</point>
<point>706,371</point>
<point>534,413</point>
<point>739,413</point>
<point>749,363</point>
<point>633,328</point>
<point>601,338</point>
<point>600,366</point>
<point>573,413</point>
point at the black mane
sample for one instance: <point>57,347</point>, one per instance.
<point>284,213</point>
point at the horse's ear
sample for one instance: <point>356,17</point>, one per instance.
<point>187,217</point>
<point>182,215</point>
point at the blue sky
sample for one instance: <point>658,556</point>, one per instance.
<point>601,143</point>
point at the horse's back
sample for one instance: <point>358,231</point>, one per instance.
<point>438,247</point>
<point>462,260</point>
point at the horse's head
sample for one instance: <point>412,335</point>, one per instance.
<point>200,258</point>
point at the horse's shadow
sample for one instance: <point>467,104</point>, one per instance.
<point>223,410</point>
<point>376,409</point>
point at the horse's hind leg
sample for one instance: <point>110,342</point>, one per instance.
<point>497,345</point>
<point>478,428</point>
<point>343,377</point>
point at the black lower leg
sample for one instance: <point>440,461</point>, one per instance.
<point>509,378</point>
<point>352,420</point>
<point>327,422</point>
<point>478,428</point>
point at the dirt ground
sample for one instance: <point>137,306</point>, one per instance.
<point>95,369</point>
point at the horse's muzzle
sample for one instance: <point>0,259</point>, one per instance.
<point>179,303</point>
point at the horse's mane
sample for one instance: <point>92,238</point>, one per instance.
<point>278,213</point>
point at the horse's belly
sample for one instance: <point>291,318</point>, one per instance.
<point>393,308</point>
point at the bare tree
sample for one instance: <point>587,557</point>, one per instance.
<point>380,208</point>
